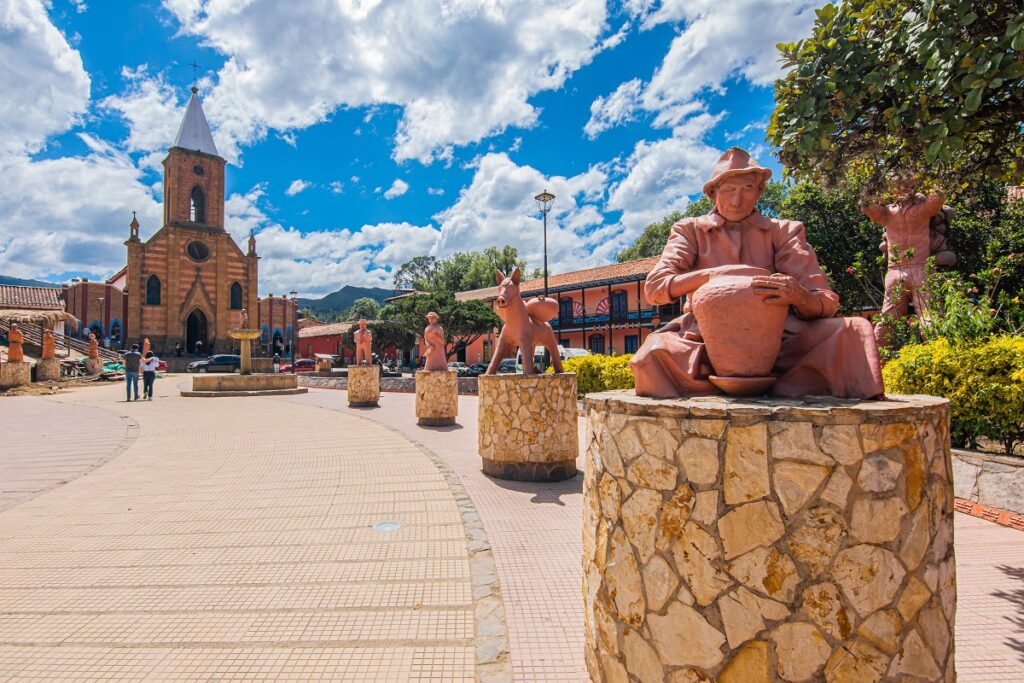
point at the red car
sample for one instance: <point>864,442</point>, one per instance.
<point>301,365</point>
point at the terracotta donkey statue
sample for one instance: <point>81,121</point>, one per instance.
<point>525,327</point>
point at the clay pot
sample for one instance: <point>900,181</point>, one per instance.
<point>741,332</point>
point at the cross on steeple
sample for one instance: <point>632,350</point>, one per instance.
<point>195,74</point>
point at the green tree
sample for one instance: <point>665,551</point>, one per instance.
<point>363,307</point>
<point>652,240</point>
<point>463,321</point>
<point>933,88</point>
<point>418,273</point>
<point>481,273</point>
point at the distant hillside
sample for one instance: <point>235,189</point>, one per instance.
<point>342,300</point>
<point>7,280</point>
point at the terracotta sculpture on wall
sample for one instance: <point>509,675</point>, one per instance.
<point>94,347</point>
<point>787,303</point>
<point>15,354</point>
<point>433,337</point>
<point>364,344</point>
<point>49,349</point>
<point>915,229</point>
<point>525,327</point>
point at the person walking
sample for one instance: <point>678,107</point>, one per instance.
<point>277,362</point>
<point>199,347</point>
<point>149,367</point>
<point>132,360</point>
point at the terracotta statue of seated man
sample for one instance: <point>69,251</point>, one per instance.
<point>819,354</point>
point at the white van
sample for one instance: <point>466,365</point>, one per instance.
<point>541,358</point>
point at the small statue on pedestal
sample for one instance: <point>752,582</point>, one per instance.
<point>364,344</point>
<point>433,337</point>
<point>525,327</point>
<point>15,354</point>
<point>49,350</point>
<point>94,347</point>
<point>915,230</point>
<point>145,346</point>
<point>243,319</point>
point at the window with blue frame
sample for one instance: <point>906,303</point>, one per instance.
<point>597,343</point>
<point>632,343</point>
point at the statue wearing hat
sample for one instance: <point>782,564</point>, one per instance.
<point>758,311</point>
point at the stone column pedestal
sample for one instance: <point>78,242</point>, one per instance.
<point>437,398</point>
<point>741,540</point>
<point>47,370</point>
<point>16,374</point>
<point>527,426</point>
<point>363,386</point>
<point>93,366</point>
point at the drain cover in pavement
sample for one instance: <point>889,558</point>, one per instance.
<point>387,526</point>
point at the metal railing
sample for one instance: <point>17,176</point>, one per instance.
<point>33,334</point>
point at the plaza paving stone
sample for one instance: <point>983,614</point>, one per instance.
<point>230,539</point>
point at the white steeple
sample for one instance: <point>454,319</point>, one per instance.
<point>194,133</point>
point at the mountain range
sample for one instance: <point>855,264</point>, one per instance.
<point>7,280</point>
<point>340,301</point>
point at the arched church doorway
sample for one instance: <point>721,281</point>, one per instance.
<point>277,346</point>
<point>195,331</point>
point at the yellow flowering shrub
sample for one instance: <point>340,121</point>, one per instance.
<point>984,382</point>
<point>600,373</point>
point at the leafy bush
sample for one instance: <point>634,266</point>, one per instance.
<point>983,380</point>
<point>600,373</point>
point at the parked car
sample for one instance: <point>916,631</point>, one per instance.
<point>507,367</point>
<point>542,359</point>
<point>222,362</point>
<point>476,370</point>
<point>161,365</point>
<point>461,369</point>
<point>300,365</point>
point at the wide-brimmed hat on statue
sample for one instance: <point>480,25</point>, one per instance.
<point>735,161</point>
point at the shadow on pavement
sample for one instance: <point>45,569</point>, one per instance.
<point>1015,637</point>
<point>544,493</point>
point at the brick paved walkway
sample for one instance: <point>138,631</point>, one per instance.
<point>202,551</point>
<point>233,538</point>
<point>538,548</point>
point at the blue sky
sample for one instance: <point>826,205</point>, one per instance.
<point>360,133</point>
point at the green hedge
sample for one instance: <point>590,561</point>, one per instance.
<point>600,373</point>
<point>984,382</point>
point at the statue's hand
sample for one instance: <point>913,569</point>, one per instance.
<point>781,289</point>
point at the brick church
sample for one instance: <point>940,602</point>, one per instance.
<point>187,283</point>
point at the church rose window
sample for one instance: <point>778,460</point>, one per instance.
<point>197,251</point>
<point>197,169</point>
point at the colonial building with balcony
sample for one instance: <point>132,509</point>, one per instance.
<point>601,309</point>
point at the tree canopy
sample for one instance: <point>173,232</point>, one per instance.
<point>364,307</point>
<point>463,321</point>
<point>386,335</point>
<point>928,88</point>
<point>460,272</point>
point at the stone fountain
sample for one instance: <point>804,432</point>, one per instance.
<point>245,383</point>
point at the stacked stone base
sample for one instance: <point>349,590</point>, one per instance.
<point>437,398</point>
<point>47,370</point>
<point>16,374</point>
<point>527,426</point>
<point>219,386</point>
<point>767,540</point>
<point>93,366</point>
<point>363,386</point>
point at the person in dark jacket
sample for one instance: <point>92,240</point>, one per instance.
<point>132,360</point>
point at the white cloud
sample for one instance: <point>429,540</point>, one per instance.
<point>435,191</point>
<point>460,71</point>
<point>337,187</point>
<point>150,108</point>
<point>46,88</point>
<point>397,189</point>
<point>80,5</point>
<point>616,109</point>
<point>297,186</point>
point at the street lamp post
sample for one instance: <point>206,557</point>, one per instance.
<point>544,200</point>
<point>295,323</point>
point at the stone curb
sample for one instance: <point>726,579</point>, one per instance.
<point>491,644</point>
<point>988,513</point>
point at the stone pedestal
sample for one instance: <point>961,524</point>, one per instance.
<point>93,366</point>
<point>218,386</point>
<point>47,370</point>
<point>768,540</point>
<point>437,398</point>
<point>527,426</point>
<point>16,374</point>
<point>363,386</point>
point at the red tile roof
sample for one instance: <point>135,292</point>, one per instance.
<point>36,298</point>
<point>629,270</point>
<point>324,330</point>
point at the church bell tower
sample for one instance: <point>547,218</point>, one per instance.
<point>194,174</point>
